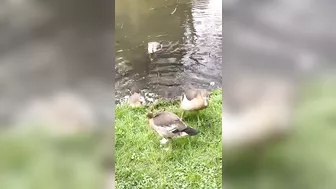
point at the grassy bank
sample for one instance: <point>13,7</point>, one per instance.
<point>305,161</point>
<point>193,162</point>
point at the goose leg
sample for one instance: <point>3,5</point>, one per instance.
<point>163,143</point>
<point>182,115</point>
<point>198,120</point>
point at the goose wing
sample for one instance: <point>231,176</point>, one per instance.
<point>191,94</point>
<point>169,121</point>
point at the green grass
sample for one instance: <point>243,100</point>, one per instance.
<point>193,162</point>
<point>306,160</point>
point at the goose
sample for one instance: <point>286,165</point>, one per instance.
<point>168,125</point>
<point>136,100</point>
<point>194,100</point>
<point>154,47</point>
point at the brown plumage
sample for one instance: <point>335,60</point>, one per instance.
<point>168,125</point>
<point>194,100</point>
<point>136,100</point>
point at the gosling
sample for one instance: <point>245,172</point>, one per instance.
<point>194,100</point>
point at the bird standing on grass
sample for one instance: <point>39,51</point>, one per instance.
<point>168,125</point>
<point>194,100</point>
<point>136,100</point>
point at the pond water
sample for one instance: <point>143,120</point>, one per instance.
<point>195,27</point>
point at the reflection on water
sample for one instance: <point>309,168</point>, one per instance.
<point>196,28</point>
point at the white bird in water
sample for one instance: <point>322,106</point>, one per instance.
<point>154,47</point>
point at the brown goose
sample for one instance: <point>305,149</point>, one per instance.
<point>194,100</point>
<point>136,100</point>
<point>168,125</point>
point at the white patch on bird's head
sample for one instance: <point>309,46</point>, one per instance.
<point>142,99</point>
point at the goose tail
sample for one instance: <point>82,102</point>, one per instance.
<point>190,131</point>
